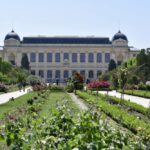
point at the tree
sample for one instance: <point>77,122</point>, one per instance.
<point>3,78</point>
<point>141,58</point>
<point>5,67</point>
<point>25,62</point>
<point>122,79</point>
<point>112,65</point>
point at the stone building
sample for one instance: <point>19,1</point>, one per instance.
<point>57,58</point>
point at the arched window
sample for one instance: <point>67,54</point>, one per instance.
<point>11,58</point>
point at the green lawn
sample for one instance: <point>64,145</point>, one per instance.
<point>18,102</point>
<point>54,98</point>
<point>61,98</point>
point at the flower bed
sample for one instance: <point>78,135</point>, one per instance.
<point>39,87</point>
<point>98,85</point>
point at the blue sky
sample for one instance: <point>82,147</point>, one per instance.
<point>77,17</point>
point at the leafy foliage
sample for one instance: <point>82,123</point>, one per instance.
<point>112,65</point>
<point>62,131</point>
<point>25,62</point>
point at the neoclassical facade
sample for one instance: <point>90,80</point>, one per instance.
<point>57,58</point>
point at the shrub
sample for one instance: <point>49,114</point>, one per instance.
<point>3,88</point>
<point>69,88</point>
<point>39,87</point>
<point>56,87</point>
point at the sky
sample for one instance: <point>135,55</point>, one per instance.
<point>102,18</point>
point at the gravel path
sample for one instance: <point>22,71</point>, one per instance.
<point>78,101</point>
<point>139,100</point>
<point>6,97</point>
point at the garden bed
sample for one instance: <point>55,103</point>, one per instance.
<point>140,93</point>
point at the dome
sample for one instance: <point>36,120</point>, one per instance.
<point>13,35</point>
<point>119,35</point>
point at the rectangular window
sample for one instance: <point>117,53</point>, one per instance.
<point>74,71</point>
<point>74,57</point>
<point>82,72</point>
<point>41,57</point>
<point>57,57</point>
<point>107,57</point>
<point>91,74</point>
<point>99,57</point>
<point>82,57</point>
<point>49,57</point>
<point>66,56</point>
<point>49,73</point>
<point>66,74</point>
<point>57,74</point>
<point>32,57</point>
<point>99,72</point>
<point>91,57</point>
<point>41,73</point>
<point>33,72</point>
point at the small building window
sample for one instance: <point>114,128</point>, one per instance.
<point>57,57</point>
<point>82,57</point>
<point>91,57</point>
<point>66,74</point>
<point>41,57</point>
<point>49,73</point>
<point>57,74</point>
<point>33,72</point>
<point>91,74</point>
<point>66,56</point>
<point>41,73</point>
<point>82,72</point>
<point>99,72</point>
<point>49,57</point>
<point>74,57</point>
<point>73,72</point>
<point>107,57</point>
<point>99,57</point>
<point>32,57</point>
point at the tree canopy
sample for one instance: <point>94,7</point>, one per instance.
<point>112,65</point>
<point>25,62</point>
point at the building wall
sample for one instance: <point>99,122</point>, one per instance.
<point>118,51</point>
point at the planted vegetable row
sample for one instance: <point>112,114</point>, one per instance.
<point>129,121</point>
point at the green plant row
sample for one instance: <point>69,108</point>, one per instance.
<point>61,131</point>
<point>129,121</point>
<point>140,93</point>
<point>131,105</point>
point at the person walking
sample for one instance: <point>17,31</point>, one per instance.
<point>20,86</point>
<point>24,85</point>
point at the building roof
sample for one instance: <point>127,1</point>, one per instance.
<point>12,35</point>
<point>66,40</point>
<point>119,35</point>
